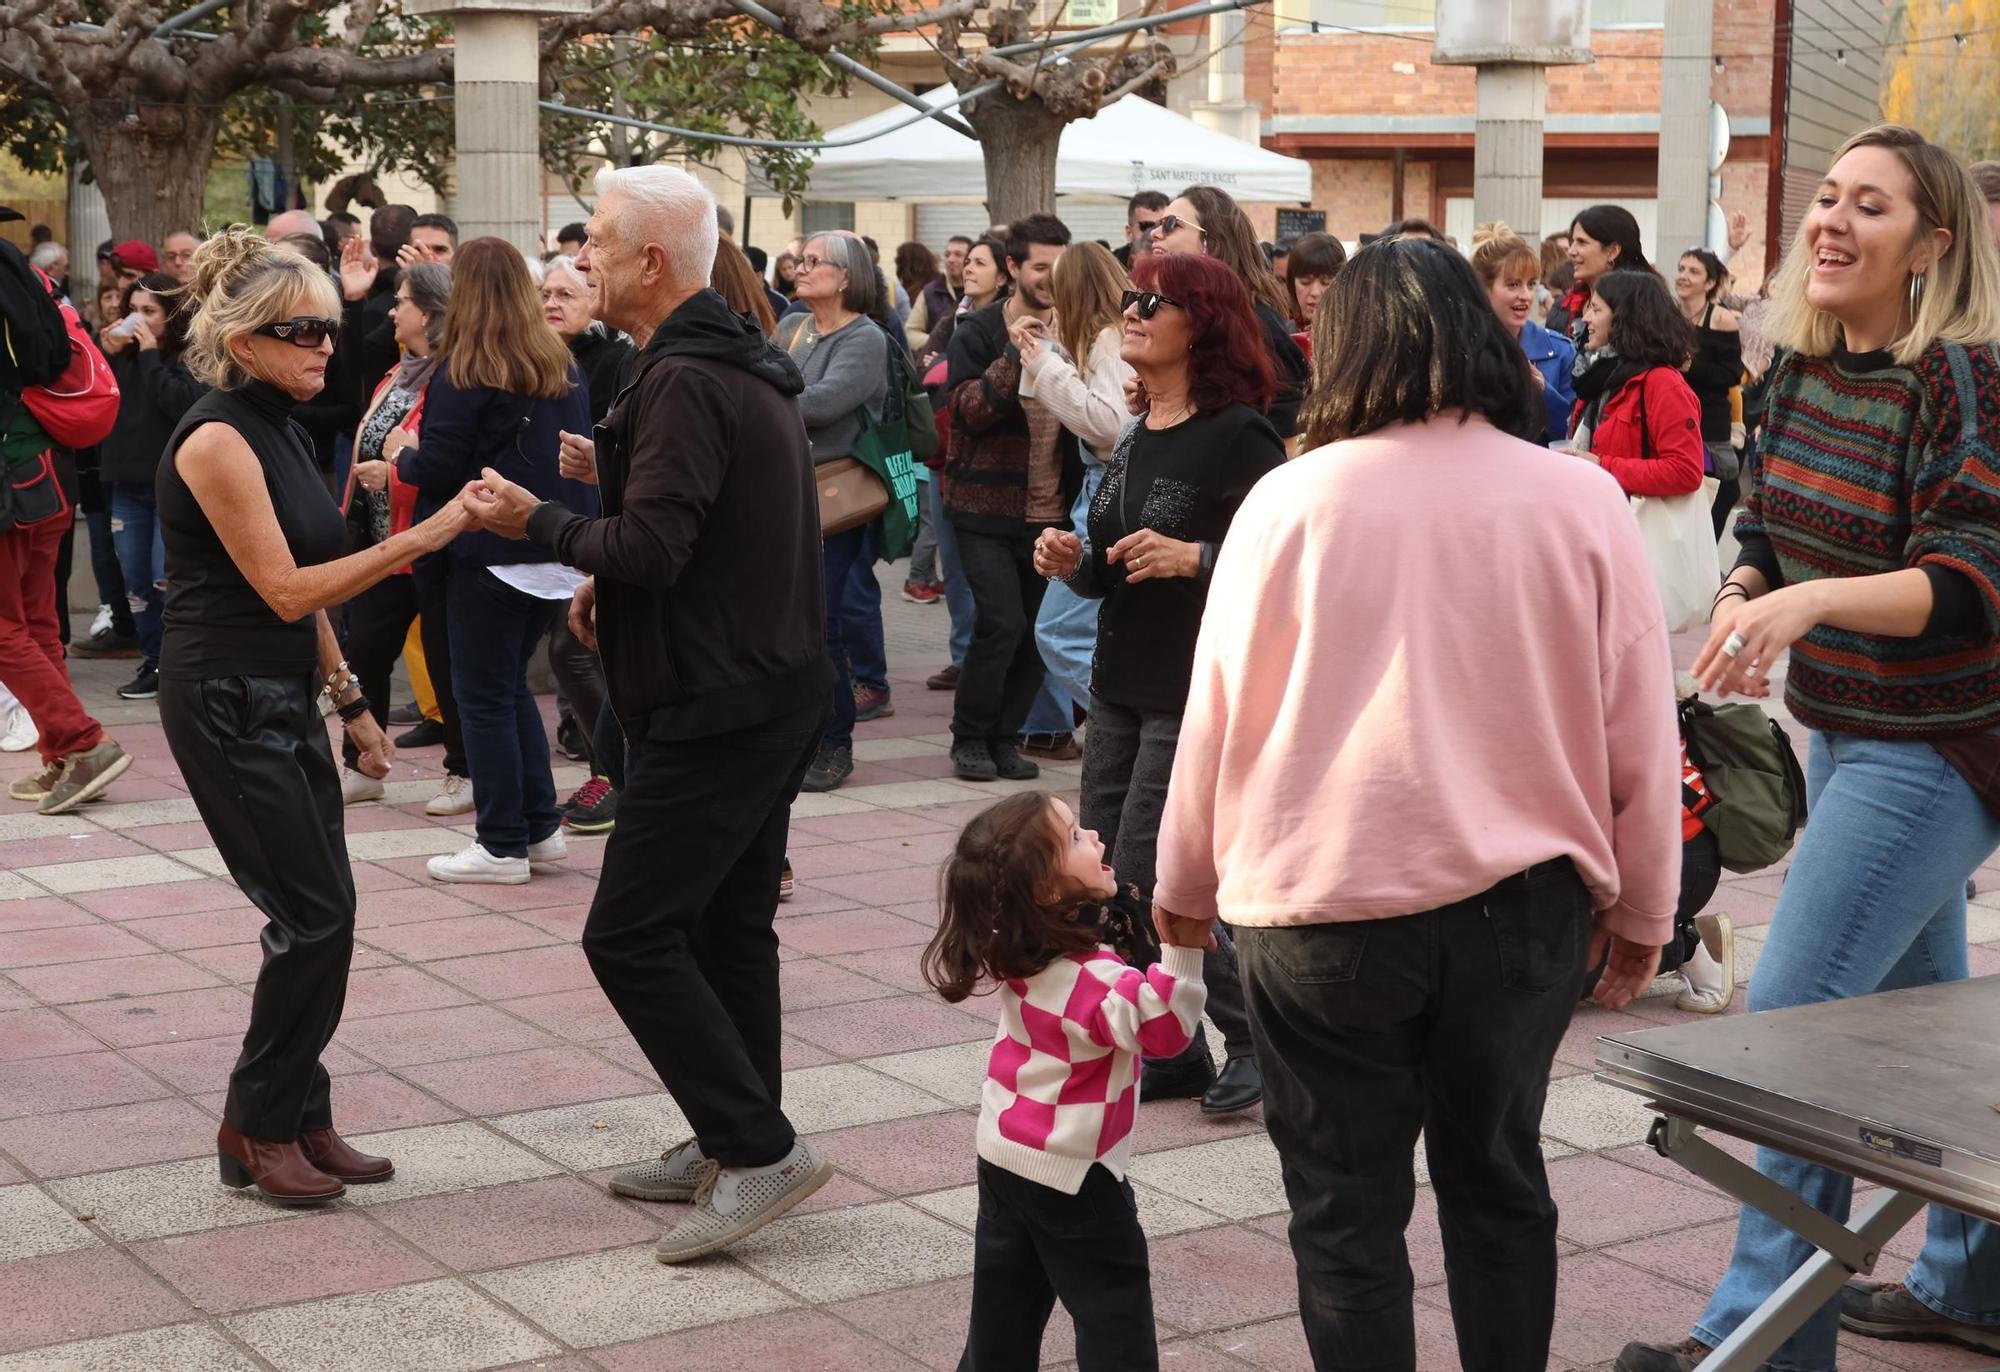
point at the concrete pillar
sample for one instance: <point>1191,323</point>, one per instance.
<point>1507,146</point>
<point>1225,110</point>
<point>496,69</point>
<point>1684,130</point>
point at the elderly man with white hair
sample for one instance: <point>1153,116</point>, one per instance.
<point>705,604</point>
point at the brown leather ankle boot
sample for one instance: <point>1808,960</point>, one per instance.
<point>336,1157</point>
<point>279,1170</point>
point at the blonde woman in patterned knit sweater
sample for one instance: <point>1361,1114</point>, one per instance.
<point>1871,552</point>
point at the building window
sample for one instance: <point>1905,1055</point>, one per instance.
<point>822,216</point>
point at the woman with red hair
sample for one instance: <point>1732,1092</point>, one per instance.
<point>1172,486</point>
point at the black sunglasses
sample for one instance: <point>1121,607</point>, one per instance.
<point>303,331</point>
<point>1149,303</point>
<point>1170,222</point>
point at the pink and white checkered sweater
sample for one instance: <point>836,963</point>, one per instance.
<point>1061,1086</point>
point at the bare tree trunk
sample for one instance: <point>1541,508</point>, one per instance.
<point>153,172</point>
<point>1020,139</point>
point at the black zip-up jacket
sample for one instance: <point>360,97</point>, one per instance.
<point>710,612</point>
<point>153,394</point>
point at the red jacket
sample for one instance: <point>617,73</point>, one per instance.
<point>1667,458</point>
<point>402,495</point>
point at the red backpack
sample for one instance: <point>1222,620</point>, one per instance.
<point>79,407</point>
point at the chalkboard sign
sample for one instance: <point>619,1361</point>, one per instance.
<point>1295,223</point>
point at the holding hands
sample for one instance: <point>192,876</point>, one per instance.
<point>498,505</point>
<point>1058,553</point>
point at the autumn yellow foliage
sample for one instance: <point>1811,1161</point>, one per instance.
<point>1942,76</point>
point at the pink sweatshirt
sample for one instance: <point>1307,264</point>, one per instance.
<point>1433,657</point>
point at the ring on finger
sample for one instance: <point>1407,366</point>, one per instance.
<point>1734,644</point>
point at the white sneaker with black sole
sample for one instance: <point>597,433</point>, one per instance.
<point>732,1203</point>
<point>475,866</point>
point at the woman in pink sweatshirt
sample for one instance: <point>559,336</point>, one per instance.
<point>1428,776</point>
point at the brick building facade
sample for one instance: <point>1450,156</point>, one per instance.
<point>1390,135</point>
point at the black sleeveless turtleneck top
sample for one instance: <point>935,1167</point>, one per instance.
<point>216,624</point>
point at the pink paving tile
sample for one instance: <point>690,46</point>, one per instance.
<point>157,1019</point>
<point>850,931</point>
<point>928,1322</point>
<point>40,1034</point>
<point>13,997</point>
<point>845,859</point>
<point>900,968</point>
<point>1587,1025</point>
<point>462,1031</point>
<point>376,819</point>
<point>38,1086</point>
<point>1602,1305</point>
<point>1178,1123</point>
<point>241,962</point>
<point>372,1102</point>
<point>930,767</point>
<point>45,912</point>
<point>203,929</point>
<point>582,1016</point>
<point>532,1080</point>
<point>76,1141</point>
<point>808,899</point>
<point>81,1295</point>
<point>369,878</point>
<point>1695,1257</point>
<point>1280,1345</point>
<point>1643,1157</point>
<point>878,824</point>
<point>81,847</point>
<point>809,983</point>
<point>1601,1202</point>
<point>541,893</point>
<point>875,774</point>
<point>500,1226</point>
<point>895,886</point>
<point>241,1268</point>
<point>147,788</point>
<point>533,971</point>
<point>907,1157</point>
<point>376,910</point>
<point>170,898</point>
<point>894,1025</point>
<point>204,1064</point>
<point>391,990</point>
<point>74,943</point>
<point>8,1174</point>
<point>914,849</point>
<point>450,938</point>
<point>1216,1278</point>
<point>72,983</point>
<point>796,1338</point>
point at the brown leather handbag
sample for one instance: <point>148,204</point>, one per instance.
<point>849,496</point>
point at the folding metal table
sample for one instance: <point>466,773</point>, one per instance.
<point>1901,1089</point>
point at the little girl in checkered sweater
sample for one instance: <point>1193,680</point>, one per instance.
<point>1032,911</point>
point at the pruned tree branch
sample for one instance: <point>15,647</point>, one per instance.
<point>1158,71</point>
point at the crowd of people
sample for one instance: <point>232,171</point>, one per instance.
<point>1307,815</point>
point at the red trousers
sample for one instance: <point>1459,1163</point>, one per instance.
<point>31,651</point>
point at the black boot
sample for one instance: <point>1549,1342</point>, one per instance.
<point>1238,1086</point>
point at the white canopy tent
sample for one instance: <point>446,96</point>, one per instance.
<point>1129,146</point>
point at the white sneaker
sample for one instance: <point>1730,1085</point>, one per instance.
<point>551,850</point>
<point>101,624</point>
<point>1711,971</point>
<point>356,787</point>
<point>476,865</point>
<point>19,733</point>
<point>732,1203</point>
<point>454,798</point>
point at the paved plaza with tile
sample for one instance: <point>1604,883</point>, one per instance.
<point>478,1052</point>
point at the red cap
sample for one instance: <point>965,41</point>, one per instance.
<point>137,254</point>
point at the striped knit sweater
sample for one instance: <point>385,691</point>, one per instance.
<point>1870,466</point>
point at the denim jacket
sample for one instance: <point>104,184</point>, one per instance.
<point>1552,355</point>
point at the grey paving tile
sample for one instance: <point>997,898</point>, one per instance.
<point>839,1254</point>
<point>952,1073</point>
<point>31,1224</point>
<point>1159,1213</point>
<point>1237,1178</point>
<point>623,1293</point>
<point>842,1095</point>
<point>1585,1113</point>
<point>435,1326</point>
<point>607,1133</point>
<point>435,1158</point>
<point>176,1348</point>
<point>165,1198</point>
<point>104,874</point>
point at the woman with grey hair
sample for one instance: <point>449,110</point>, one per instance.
<point>379,505</point>
<point>602,354</point>
<point>845,359</point>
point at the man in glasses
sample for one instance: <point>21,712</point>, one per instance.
<point>1012,472</point>
<point>1142,216</point>
<point>707,594</point>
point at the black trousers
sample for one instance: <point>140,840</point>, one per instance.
<point>579,681</point>
<point>432,580</point>
<point>1035,1244</point>
<point>1128,758</point>
<point>378,622</point>
<point>1003,668</point>
<point>1444,1022</point>
<point>253,754</point>
<point>680,934</point>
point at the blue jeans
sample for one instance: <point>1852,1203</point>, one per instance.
<point>839,556</point>
<point>142,558</point>
<point>957,595</point>
<point>1066,629</point>
<point>1875,901</point>
<point>104,564</point>
<point>861,616</point>
<point>495,630</point>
